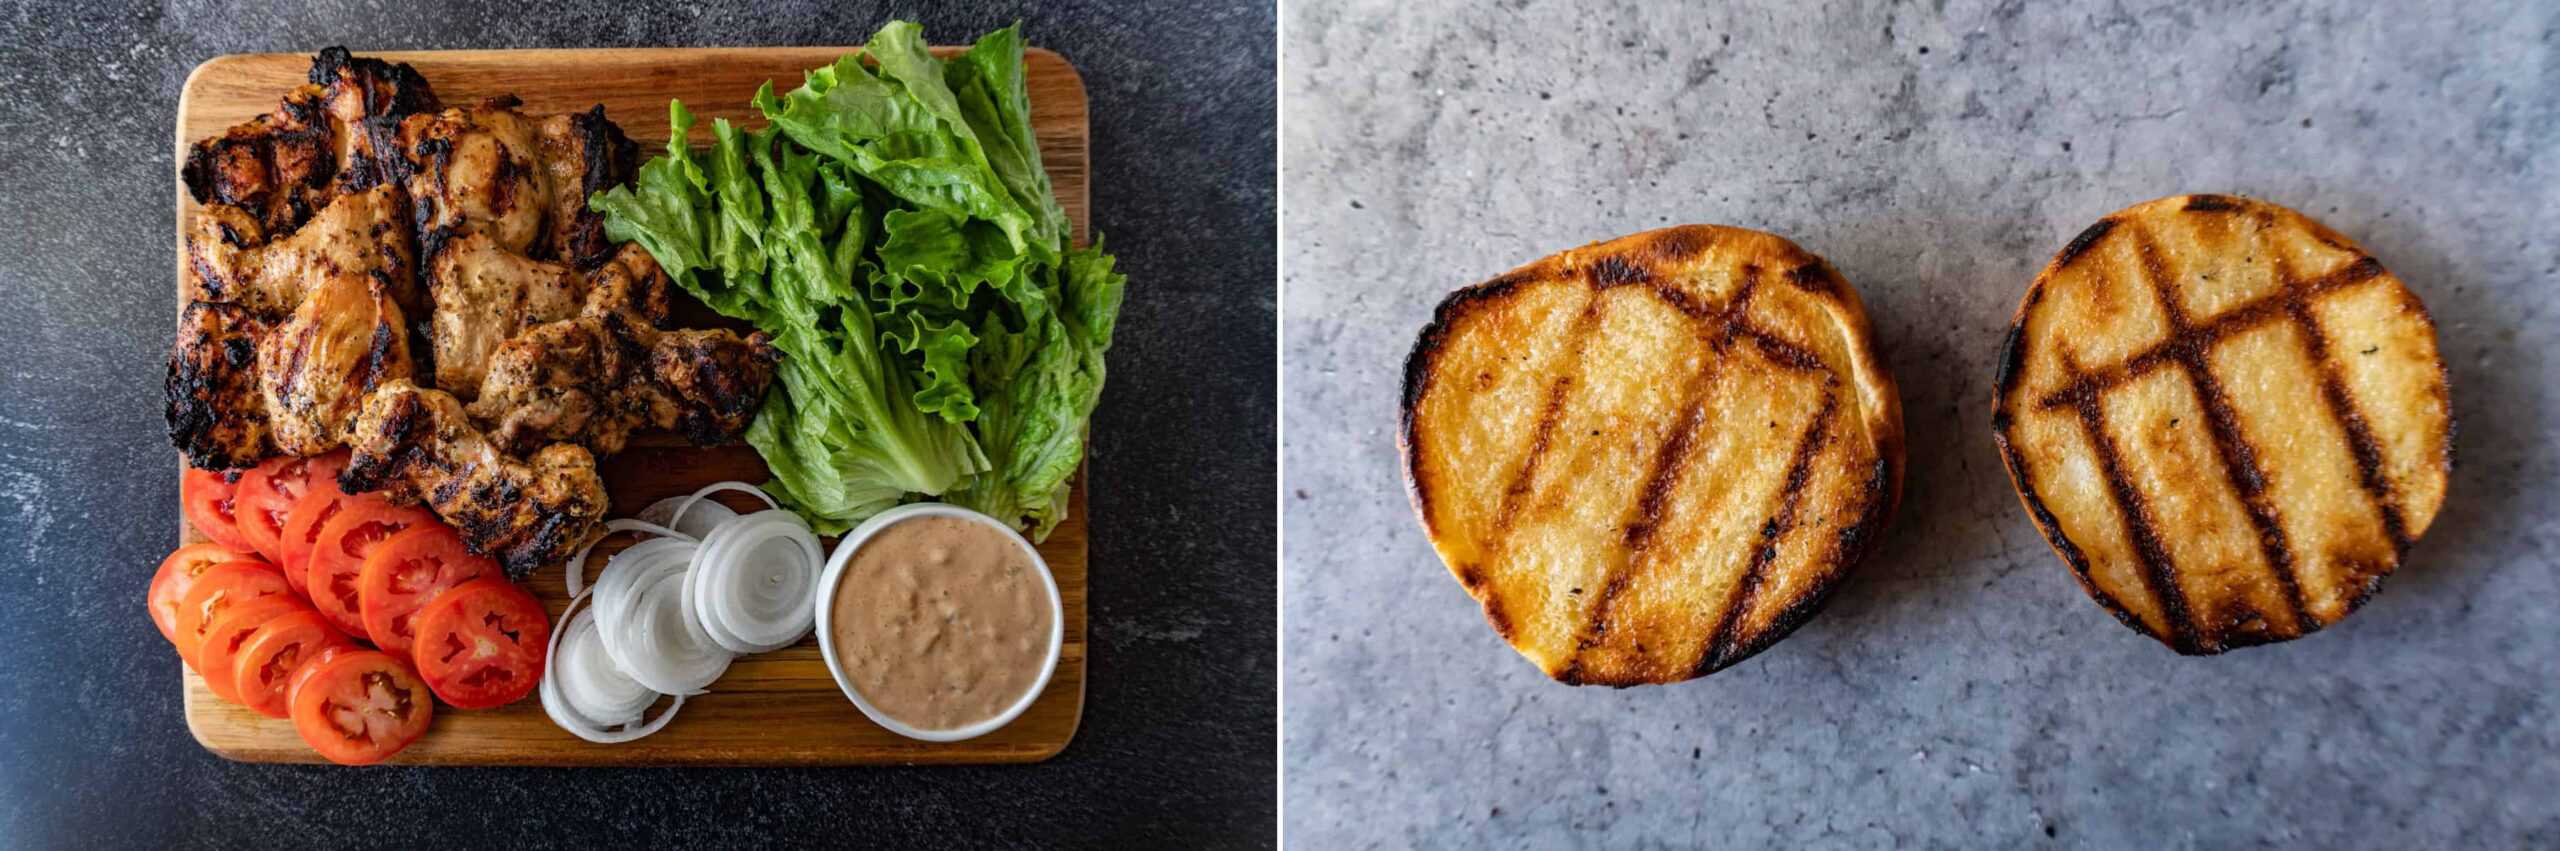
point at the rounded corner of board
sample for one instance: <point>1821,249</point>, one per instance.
<point>204,739</point>
<point>211,66</point>
<point>1059,67</point>
<point>1075,724</point>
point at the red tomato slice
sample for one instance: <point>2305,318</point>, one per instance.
<point>480,644</point>
<point>268,492</point>
<point>178,573</point>
<point>302,524</point>
<point>337,555</point>
<point>208,496</point>
<point>265,664</point>
<point>360,707</point>
<point>405,572</point>
<point>230,631</point>
<point>216,590</point>
<point>311,665</point>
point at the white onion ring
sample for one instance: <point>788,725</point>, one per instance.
<point>682,514</point>
<point>747,597</point>
<point>596,690</point>
<point>559,701</point>
<point>668,612</point>
<point>577,577</point>
<point>640,615</point>
<point>679,507</point>
<point>617,590</point>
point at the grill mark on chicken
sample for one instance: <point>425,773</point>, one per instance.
<point>417,443</point>
<point>608,159</point>
<point>310,326</point>
<point>289,164</point>
<point>212,387</point>
<point>381,87</point>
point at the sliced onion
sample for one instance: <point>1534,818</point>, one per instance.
<point>580,684</point>
<point>596,689</point>
<point>753,580</point>
<point>640,615</point>
<point>577,578</point>
<point>682,514</point>
<point>668,613</point>
<point>679,509</point>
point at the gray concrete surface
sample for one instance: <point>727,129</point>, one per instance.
<point>1960,691</point>
<point>1176,744</point>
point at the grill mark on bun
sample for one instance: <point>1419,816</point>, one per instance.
<point>1721,648</point>
<point>2239,457</point>
<point>2271,307</point>
<point>1651,261</point>
<point>1613,271</point>
<point>1668,463</point>
<point>2081,244</point>
<point>2211,204</point>
<point>1675,245</point>
<point>1815,279</point>
<point>2159,576</point>
<point>2342,409</point>
<point>1541,438</point>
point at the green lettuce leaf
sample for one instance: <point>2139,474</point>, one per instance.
<point>994,99</point>
<point>667,206</point>
<point>894,231</point>
<point>902,129</point>
<point>842,434</point>
<point>1039,386</point>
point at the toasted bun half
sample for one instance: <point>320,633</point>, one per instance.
<point>1652,457</point>
<point>2229,420</point>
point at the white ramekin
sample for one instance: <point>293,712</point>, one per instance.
<point>826,603</point>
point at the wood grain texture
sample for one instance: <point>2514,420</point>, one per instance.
<point>779,708</point>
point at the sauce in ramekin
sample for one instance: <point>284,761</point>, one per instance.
<point>941,622</point>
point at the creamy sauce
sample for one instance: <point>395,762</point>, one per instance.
<point>941,622</point>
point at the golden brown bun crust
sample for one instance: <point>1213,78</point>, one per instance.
<point>1652,457</point>
<point>2229,420</point>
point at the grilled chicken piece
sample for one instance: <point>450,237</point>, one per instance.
<point>502,214</point>
<point>216,415</point>
<point>355,207</point>
<point>346,338</point>
<point>585,154</point>
<point>594,382</point>
<point>707,384</point>
<point>234,258</point>
<point>419,444</point>
<point>595,378</point>
<point>284,166</point>
<point>281,339</point>
<point>522,181</point>
<point>486,295</point>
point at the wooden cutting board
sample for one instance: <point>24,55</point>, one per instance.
<point>779,708</point>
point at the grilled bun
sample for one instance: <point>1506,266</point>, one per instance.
<point>2230,421</point>
<point>1653,457</point>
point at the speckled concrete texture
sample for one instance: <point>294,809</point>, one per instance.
<point>1960,691</point>
<point>1177,741</point>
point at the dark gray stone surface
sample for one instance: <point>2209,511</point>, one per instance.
<point>1960,691</point>
<point>1177,742</point>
